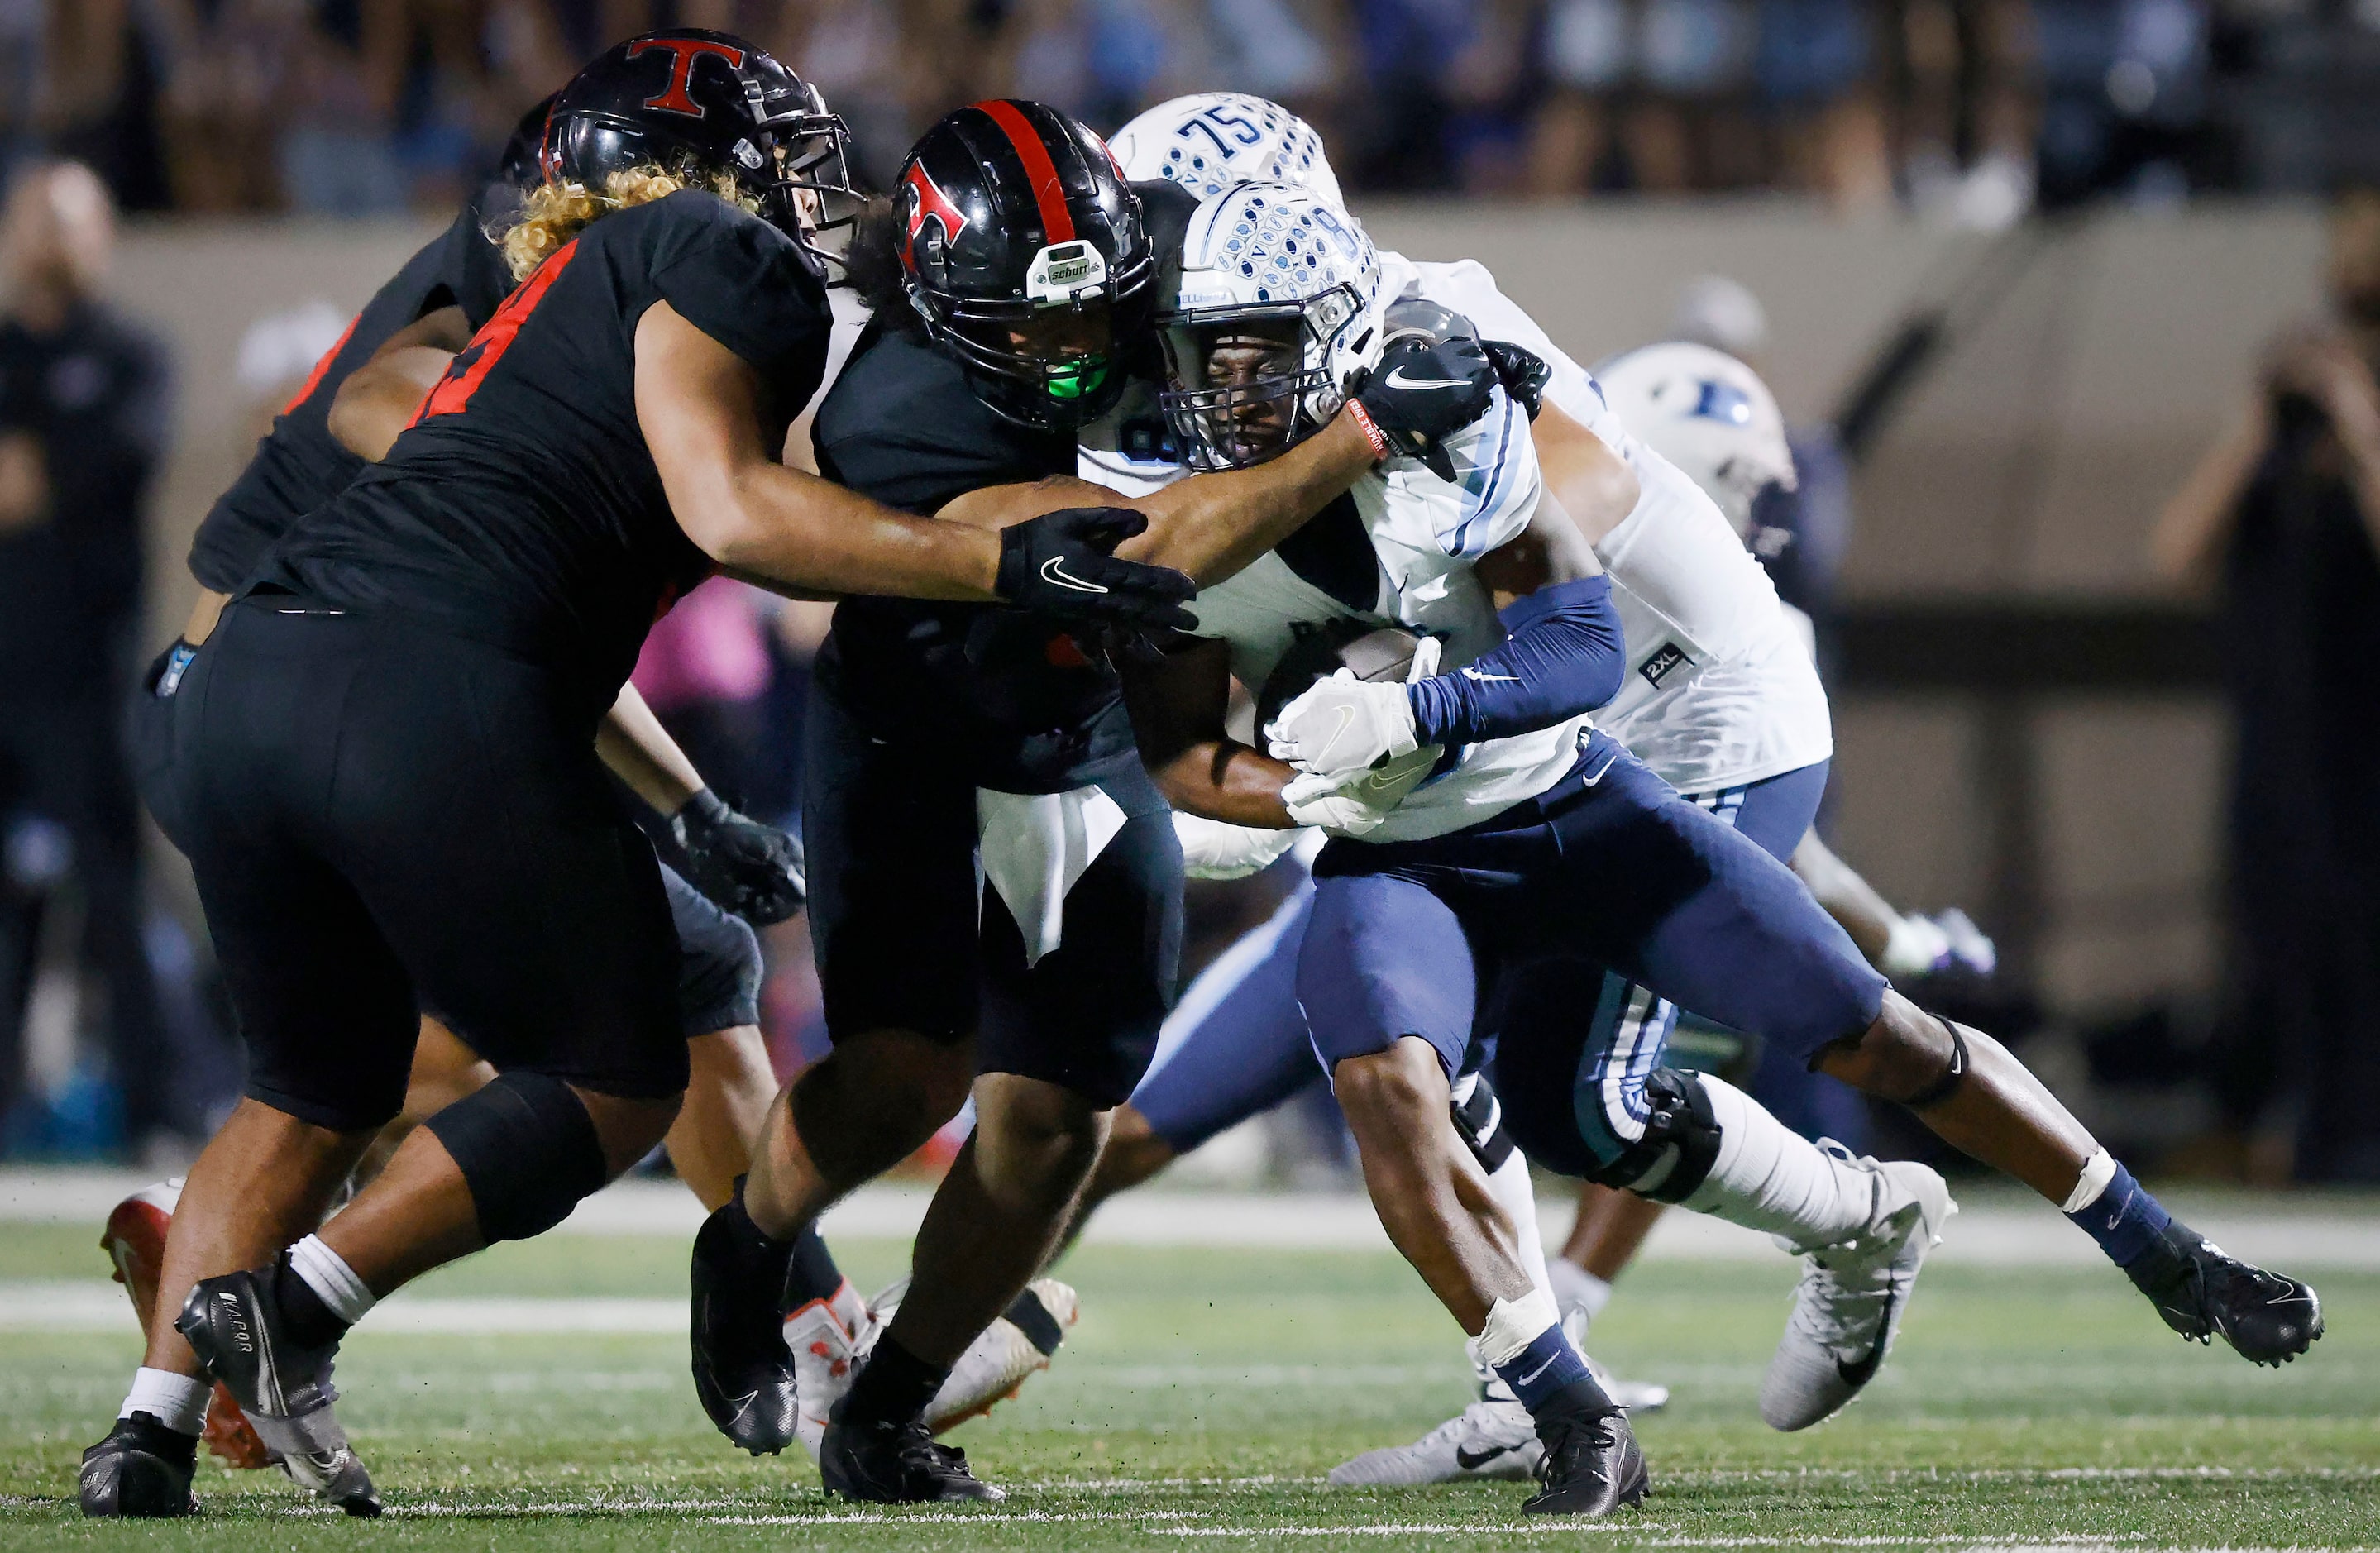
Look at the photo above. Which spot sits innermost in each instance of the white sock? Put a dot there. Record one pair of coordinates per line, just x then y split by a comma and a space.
178, 1402
1510, 1183
327, 1273
1771, 1178
1576, 1288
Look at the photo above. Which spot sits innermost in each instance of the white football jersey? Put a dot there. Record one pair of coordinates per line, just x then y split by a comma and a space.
1402, 552
1721, 692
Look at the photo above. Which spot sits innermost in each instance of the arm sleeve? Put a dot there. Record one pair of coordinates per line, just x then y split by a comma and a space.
1565, 657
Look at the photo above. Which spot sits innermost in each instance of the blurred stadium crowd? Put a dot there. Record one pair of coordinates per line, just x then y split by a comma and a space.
1970, 108
1970, 111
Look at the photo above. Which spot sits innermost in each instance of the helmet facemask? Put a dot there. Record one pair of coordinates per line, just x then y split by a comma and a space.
803, 177
1248, 383
1048, 361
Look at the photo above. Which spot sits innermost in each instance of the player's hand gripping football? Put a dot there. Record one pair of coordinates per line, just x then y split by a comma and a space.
1351, 741
752, 869
1062, 563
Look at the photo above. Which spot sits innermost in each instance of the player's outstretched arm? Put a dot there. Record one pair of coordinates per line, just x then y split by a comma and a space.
1212, 525
699, 405
1177, 699
1209, 525
753, 869
379, 398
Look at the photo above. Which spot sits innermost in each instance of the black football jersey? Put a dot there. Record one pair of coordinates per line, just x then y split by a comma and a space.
1006, 695
521, 504
298, 465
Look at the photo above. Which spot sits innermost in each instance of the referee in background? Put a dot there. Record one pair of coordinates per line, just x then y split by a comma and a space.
83, 397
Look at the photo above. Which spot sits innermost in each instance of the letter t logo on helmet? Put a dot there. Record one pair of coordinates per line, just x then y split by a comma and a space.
674, 99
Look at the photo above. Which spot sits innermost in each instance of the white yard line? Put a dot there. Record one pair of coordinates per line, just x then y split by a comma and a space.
2001, 1232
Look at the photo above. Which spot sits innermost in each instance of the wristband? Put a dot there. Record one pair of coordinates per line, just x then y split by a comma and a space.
1372, 433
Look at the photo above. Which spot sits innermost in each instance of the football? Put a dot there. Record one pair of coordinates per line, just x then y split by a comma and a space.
1374, 652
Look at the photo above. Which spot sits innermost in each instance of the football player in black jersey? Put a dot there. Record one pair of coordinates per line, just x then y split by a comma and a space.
439, 297
388, 788
1011, 283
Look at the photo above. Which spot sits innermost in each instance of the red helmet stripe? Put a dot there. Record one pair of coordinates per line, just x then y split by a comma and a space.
1057, 223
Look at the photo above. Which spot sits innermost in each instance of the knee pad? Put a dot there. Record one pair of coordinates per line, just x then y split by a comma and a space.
527, 1150
1954, 1073
1480, 1120
1680, 1145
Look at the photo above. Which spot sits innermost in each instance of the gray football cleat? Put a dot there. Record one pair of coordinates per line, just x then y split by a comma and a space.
1852, 1296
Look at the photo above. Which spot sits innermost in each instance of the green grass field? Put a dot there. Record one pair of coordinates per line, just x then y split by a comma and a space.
1206, 1392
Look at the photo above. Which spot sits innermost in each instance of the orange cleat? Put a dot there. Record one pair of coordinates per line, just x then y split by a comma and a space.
135, 1240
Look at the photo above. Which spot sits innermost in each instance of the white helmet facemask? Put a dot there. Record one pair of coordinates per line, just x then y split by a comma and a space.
1708, 414
1273, 320
1211, 141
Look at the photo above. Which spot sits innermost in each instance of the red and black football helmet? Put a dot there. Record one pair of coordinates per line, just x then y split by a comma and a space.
688, 94
1024, 252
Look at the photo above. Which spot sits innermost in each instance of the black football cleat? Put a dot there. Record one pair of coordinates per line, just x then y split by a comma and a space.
2200, 1292
237, 1332
140, 1472
895, 1463
743, 1371
1591, 1466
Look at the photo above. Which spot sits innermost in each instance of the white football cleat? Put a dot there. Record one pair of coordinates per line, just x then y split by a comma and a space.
998, 1363
1489, 1440
828, 1339
1852, 1296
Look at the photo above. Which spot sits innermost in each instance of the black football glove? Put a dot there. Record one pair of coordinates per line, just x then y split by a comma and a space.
1522, 371
752, 869
1425, 390
1062, 563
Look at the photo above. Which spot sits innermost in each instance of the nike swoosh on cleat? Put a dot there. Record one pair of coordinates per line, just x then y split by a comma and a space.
1859, 1375
1472, 1461
1053, 571
1397, 379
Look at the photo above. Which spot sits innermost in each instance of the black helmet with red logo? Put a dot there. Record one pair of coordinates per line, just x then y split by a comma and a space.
688, 94
1024, 252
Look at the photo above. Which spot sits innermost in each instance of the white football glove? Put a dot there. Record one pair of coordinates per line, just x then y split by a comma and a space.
1342, 725
1215, 849
1362, 803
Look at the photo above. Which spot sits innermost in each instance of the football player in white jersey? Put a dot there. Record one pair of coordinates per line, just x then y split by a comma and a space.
1742, 941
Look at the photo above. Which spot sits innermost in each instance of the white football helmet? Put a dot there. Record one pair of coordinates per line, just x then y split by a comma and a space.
1268, 322
1708, 414
1211, 141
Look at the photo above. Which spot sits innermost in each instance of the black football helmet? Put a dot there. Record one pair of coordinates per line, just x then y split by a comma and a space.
686, 93
1023, 250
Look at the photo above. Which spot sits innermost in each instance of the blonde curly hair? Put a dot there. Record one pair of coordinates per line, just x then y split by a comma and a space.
553, 213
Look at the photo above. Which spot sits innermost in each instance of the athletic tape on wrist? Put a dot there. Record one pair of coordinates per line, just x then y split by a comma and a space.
2097, 1170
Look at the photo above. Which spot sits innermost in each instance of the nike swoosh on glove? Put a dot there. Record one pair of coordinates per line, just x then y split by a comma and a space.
1340, 726
1061, 564
1425, 391
752, 869
1361, 804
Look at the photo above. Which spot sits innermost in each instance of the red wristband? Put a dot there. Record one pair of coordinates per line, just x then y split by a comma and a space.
1372, 433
